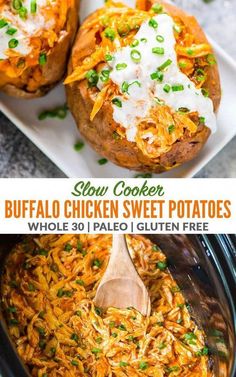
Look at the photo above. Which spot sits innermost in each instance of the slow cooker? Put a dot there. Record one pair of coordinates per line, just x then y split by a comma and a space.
204, 266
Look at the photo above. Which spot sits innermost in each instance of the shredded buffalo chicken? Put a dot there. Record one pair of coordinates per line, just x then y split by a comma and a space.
47, 294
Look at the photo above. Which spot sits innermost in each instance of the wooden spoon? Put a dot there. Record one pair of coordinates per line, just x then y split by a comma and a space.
121, 286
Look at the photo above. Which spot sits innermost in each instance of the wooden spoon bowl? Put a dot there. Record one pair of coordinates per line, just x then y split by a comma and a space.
121, 286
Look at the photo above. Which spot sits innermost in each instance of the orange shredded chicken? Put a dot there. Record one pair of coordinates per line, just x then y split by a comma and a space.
47, 293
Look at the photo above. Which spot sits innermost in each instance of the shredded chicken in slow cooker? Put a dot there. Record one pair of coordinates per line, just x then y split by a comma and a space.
47, 295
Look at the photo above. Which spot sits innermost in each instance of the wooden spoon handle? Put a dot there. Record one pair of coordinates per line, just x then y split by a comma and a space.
120, 264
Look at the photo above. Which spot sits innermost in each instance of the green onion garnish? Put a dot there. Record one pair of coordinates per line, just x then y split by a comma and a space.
183, 110
110, 34
80, 282
59, 112
190, 51
17, 4
123, 364
171, 128
121, 66
13, 43
202, 120
92, 77
160, 38
182, 65
125, 87
157, 8
143, 365
117, 102
136, 56
96, 350
68, 247
74, 363
33, 6
167, 88
152, 23
135, 43
23, 12
102, 161
11, 31
158, 50
78, 146
144, 40
157, 76
205, 92
108, 57
161, 265
42, 58
105, 75
165, 65
177, 88
211, 59
3, 23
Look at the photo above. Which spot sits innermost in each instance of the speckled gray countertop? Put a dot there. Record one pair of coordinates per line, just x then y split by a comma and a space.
20, 158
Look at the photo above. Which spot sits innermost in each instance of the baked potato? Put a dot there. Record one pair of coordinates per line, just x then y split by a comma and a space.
143, 85
35, 39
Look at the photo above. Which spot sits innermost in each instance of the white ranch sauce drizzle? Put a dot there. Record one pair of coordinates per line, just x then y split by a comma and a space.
31, 26
140, 100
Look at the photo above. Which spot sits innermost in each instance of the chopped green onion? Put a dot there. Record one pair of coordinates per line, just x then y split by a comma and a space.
41, 331
12, 309
175, 368
110, 34
177, 88
136, 56
97, 262
165, 65
92, 77
211, 59
68, 247
11, 31
158, 50
182, 65
135, 43
144, 40
33, 6
13, 322
105, 75
80, 282
125, 87
159, 101
117, 102
123, 364
143, 365
175, 289
17, 4
202, 120
157, 76
155, 248
167, 88
3, 23
205, 92
190, 336
96, 350
42, 252
74, 363
60, 293
121, 66
78, 313
108, 58
23, 12
183, 110
13, 43
31, 287
161, 265
160, 38
157, 8
74, 337
190, 51
171, 128
152, 23
162, 346
42, 58
59, 112
54, 267
122, 327
78, 146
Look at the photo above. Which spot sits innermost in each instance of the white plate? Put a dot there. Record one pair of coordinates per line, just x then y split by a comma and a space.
56, 138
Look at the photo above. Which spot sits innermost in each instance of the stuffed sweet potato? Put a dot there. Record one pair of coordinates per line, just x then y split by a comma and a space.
143, 85
35, 39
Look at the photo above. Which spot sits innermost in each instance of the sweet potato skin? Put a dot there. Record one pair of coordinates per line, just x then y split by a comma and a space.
100, 132
54, 69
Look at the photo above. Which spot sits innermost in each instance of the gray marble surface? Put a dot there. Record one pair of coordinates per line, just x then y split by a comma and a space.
20, 158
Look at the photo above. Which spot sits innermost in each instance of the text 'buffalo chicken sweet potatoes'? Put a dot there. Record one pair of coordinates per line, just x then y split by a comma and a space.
35, 39
143, 85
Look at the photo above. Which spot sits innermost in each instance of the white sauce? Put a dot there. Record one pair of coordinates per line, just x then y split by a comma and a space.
31, 26
138, 103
